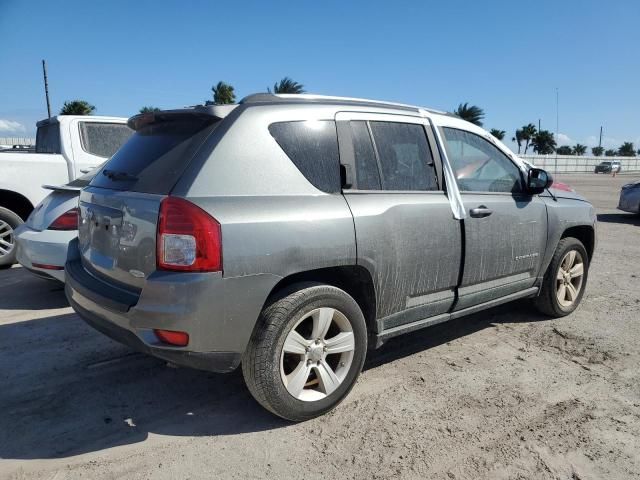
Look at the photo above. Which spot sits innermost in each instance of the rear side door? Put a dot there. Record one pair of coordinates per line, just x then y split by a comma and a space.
94, 142
505, 229
405, 232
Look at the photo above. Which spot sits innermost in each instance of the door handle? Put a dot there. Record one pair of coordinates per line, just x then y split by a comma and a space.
85, 170
480, 212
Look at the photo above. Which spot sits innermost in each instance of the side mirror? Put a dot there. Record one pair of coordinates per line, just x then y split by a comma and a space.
537, 180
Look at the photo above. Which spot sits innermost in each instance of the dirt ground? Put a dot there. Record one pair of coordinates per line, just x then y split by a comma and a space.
505, 394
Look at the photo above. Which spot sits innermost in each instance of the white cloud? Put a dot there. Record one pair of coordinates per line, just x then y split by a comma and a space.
10, 126
563, 140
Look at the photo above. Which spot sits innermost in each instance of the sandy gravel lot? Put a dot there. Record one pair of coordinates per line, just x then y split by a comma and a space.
505, 394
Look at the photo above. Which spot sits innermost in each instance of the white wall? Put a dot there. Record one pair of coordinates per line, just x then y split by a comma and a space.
574, 164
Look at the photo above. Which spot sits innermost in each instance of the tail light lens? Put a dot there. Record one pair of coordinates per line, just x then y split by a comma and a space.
67, 221
188, 239
179, 339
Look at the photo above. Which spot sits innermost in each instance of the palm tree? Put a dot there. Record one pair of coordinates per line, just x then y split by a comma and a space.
77, 107
473, 113
597, 151
499, 134
223, 94
149, 109
564, 150
610, 153
518, 139
287, 85
626, 150
528, 133
579, 149
543, 142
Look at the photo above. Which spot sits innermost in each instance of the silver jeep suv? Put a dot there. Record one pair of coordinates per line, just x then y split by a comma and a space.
289, 233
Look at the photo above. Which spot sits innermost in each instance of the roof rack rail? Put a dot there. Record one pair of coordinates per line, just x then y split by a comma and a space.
302, 97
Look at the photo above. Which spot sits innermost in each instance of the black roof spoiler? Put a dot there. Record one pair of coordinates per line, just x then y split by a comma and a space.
213, 112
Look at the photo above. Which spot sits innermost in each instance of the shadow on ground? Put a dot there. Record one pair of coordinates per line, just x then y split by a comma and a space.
625, 218
22, 290
68, 390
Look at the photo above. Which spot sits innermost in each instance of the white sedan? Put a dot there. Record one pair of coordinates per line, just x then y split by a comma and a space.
43, 240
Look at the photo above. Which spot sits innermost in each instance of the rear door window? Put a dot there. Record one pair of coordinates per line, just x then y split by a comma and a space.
156, 155
405, 159
312, 145
103, 139
48, 138
367, 174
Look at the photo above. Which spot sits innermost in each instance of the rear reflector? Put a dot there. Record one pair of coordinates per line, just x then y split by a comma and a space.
67, 221
189, 239
47, 267
179, 339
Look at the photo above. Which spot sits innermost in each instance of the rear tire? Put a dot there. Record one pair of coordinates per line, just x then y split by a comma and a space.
306, 352
565, 280
9, 221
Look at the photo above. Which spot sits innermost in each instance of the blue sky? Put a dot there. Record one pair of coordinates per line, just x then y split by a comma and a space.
507, 57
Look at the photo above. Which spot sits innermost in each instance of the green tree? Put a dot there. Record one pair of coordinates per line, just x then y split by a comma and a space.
499, 134
223, 94
564, 150
579, 149
149, 109
626, 150
77, 107
610, 153
543, 142
518, 139
287, 85
528, 133
473, 113
597, 151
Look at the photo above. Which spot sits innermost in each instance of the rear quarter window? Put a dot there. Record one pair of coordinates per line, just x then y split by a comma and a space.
312, 146
103, 139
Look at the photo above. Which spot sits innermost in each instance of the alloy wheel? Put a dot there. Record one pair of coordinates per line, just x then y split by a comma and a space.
317, 354
569, 278
6, 239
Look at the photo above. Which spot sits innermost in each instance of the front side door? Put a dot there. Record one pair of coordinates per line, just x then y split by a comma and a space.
505, 229
405, 231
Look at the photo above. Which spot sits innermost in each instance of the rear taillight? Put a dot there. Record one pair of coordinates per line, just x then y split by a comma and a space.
189, 239
67, 221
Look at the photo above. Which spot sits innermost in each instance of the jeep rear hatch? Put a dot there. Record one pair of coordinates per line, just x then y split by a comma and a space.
119, 209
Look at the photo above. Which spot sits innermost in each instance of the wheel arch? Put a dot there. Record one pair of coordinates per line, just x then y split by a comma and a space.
356, 280
16, 202
585, 233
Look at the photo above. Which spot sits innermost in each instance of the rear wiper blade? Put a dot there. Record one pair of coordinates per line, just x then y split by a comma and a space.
116, 175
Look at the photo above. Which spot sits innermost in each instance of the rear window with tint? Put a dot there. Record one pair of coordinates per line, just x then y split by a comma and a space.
312, 146
156, 155
103, 139
48, 139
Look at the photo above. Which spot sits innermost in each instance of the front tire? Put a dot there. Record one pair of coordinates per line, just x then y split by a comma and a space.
306, 351
9, 221
565, 280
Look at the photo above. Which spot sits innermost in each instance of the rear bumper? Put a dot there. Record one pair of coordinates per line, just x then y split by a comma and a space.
629, 200
188, 303
221, 362
46, 247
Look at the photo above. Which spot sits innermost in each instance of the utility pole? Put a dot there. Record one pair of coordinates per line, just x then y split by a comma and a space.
46, 87
538, 124
600, 141
555, 170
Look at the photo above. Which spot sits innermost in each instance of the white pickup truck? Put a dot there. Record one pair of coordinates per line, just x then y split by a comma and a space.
67, 146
